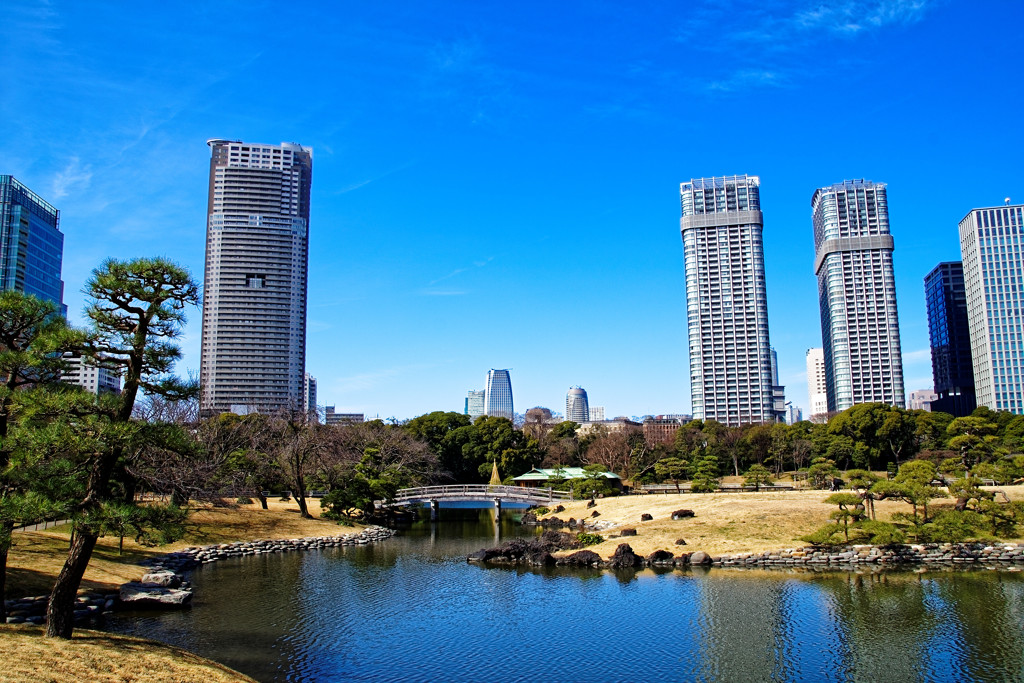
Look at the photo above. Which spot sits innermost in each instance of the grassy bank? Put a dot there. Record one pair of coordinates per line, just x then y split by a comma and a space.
37, 556
103, 657
724, 523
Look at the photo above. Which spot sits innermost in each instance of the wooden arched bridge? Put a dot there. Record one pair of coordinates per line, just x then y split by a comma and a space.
483, 493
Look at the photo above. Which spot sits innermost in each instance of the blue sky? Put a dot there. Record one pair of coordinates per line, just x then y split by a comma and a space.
496, 184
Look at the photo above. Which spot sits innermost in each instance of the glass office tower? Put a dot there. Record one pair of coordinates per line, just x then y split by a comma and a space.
992, 246
31, 243
498, 394
726, 300
577, 407
950, 339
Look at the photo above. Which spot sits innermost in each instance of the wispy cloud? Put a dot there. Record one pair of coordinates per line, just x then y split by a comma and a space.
461, 71
744, 80
73, 177
918, 356
856, 15
368, 380
766, 48
363, 183
457, 271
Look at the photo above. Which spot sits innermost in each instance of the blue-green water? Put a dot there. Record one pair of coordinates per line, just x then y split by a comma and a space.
412, 609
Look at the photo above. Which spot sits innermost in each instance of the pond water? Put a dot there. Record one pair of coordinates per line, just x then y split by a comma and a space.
412, 609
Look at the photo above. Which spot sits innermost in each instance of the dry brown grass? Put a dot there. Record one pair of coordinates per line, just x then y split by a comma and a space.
102, 657
725, 523
36, 557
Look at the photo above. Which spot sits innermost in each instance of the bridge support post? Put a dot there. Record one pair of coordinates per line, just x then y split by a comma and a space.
435, 508
497, 506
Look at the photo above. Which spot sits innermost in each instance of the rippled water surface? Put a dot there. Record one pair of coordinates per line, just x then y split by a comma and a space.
412, 609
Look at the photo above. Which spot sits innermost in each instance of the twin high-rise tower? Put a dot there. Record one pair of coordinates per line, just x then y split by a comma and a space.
860, 330
726, 303
253, 353
726, 300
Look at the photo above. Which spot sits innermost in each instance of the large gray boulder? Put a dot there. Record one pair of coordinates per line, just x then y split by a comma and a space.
138, 595
164, 578
700, 557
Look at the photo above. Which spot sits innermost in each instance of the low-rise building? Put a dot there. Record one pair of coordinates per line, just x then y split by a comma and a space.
540, 478
333, 418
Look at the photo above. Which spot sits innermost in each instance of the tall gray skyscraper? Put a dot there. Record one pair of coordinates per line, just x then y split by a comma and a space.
577, 407
860, 330
31, 243
498, 394
726, 300
992, 246
253, 353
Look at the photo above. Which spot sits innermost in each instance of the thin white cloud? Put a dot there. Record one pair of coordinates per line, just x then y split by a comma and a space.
744, 80
363, 183
918, 356
855, 16
457, 271
73, 177
368, 380
765, 49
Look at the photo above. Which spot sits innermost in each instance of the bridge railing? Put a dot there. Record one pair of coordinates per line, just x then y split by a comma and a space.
480, 491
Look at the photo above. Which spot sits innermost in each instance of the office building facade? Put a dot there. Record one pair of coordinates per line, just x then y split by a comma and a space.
253, 353
860, 328
31, 243
474, 403
498, 394
922, 399
949, 334
726, 300
309, 397
817, 390
89, 376
992, 247
577, 407
596, 414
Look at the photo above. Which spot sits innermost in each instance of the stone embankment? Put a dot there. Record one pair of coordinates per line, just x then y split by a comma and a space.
90, 609
991, 556
164, 586
998, 555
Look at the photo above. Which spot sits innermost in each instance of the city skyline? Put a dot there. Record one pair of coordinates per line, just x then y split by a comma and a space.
460, 183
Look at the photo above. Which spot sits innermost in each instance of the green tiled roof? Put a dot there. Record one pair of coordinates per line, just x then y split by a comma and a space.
538, 474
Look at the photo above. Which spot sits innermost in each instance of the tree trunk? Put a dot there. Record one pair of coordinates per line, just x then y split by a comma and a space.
262, 499
5, 543
60, 613
300, 498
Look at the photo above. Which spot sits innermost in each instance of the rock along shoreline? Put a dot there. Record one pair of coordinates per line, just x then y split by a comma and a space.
996, 556
165, 586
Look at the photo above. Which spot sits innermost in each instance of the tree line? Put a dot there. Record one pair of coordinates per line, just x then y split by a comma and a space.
130, 464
